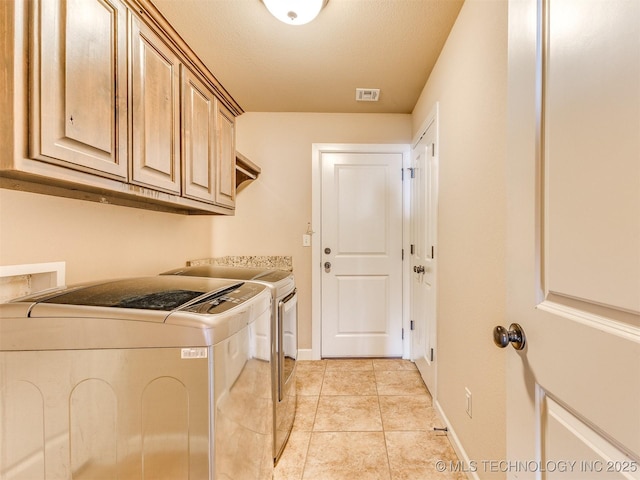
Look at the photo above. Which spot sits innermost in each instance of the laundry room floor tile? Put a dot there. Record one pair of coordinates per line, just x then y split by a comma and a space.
348, 414
347, 455
349, 382
400, 382
364, 419
408, 412
415, 455
349, 365
305, 413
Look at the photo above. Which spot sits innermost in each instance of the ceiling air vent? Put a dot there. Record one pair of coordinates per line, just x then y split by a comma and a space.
367, 94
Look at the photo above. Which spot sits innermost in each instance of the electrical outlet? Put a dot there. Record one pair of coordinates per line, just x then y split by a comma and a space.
306, 240
467, 393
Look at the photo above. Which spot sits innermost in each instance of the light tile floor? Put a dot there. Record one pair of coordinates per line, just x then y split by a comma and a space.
364, 419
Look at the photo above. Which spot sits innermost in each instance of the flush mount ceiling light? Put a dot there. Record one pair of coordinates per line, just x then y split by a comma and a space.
295, 12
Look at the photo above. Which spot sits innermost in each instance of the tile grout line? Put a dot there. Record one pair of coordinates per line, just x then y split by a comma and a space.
384, 434
313, 424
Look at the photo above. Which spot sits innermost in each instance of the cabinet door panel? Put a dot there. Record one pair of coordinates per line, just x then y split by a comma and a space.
226, 158
79, 85
155, 111
198, 138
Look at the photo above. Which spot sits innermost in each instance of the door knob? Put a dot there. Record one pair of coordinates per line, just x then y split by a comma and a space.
515, 335
327, 266
418, 269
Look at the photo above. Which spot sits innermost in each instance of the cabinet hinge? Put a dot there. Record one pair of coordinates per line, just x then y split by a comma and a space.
413, 326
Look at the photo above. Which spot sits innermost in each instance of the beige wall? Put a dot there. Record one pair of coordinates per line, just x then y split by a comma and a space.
97, 241
469, 82
273, 211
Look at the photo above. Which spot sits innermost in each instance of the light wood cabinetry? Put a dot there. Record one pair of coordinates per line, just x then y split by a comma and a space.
155, 111
106, 102
226, 158
78, 85
198, 138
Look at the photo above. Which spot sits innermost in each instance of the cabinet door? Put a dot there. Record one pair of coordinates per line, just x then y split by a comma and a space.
198, 139
155, 97
79, 84
225, 158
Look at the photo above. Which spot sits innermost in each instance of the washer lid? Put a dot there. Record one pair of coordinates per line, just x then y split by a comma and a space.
273, 276
268, 275
120, 298
146, 312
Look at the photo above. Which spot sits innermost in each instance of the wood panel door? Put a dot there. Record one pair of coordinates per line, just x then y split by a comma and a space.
155, 112
424, 208
225, 157
361, 253
573, 250
198, 139
79, 85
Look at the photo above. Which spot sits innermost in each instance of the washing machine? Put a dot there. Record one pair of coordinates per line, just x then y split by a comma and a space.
145, 378
280, 342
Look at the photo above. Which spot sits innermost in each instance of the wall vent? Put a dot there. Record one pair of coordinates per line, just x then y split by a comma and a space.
367, 94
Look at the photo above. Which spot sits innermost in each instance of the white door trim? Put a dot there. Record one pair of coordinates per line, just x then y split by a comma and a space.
316, 253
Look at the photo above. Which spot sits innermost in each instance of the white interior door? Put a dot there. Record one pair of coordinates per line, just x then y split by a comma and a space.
361, 254
573, 257
424, 196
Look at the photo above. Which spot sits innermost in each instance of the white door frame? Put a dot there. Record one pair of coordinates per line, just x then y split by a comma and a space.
316, 247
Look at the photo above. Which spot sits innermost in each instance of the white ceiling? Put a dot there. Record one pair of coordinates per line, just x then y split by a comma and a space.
268, 66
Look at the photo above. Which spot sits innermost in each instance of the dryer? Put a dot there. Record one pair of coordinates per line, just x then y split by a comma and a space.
281, 340
153, 377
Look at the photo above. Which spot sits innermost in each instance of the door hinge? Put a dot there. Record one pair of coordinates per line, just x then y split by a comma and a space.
433, 149
432, 251
403, 334
413, 249
413, 325
411, 172
432, 354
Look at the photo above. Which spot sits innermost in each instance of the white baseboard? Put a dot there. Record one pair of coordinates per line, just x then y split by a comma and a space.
457, 446
306, 354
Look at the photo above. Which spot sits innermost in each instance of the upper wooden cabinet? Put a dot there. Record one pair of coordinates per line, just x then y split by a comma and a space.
155, 111
78, 85
106, 102
226, 158
198, 138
